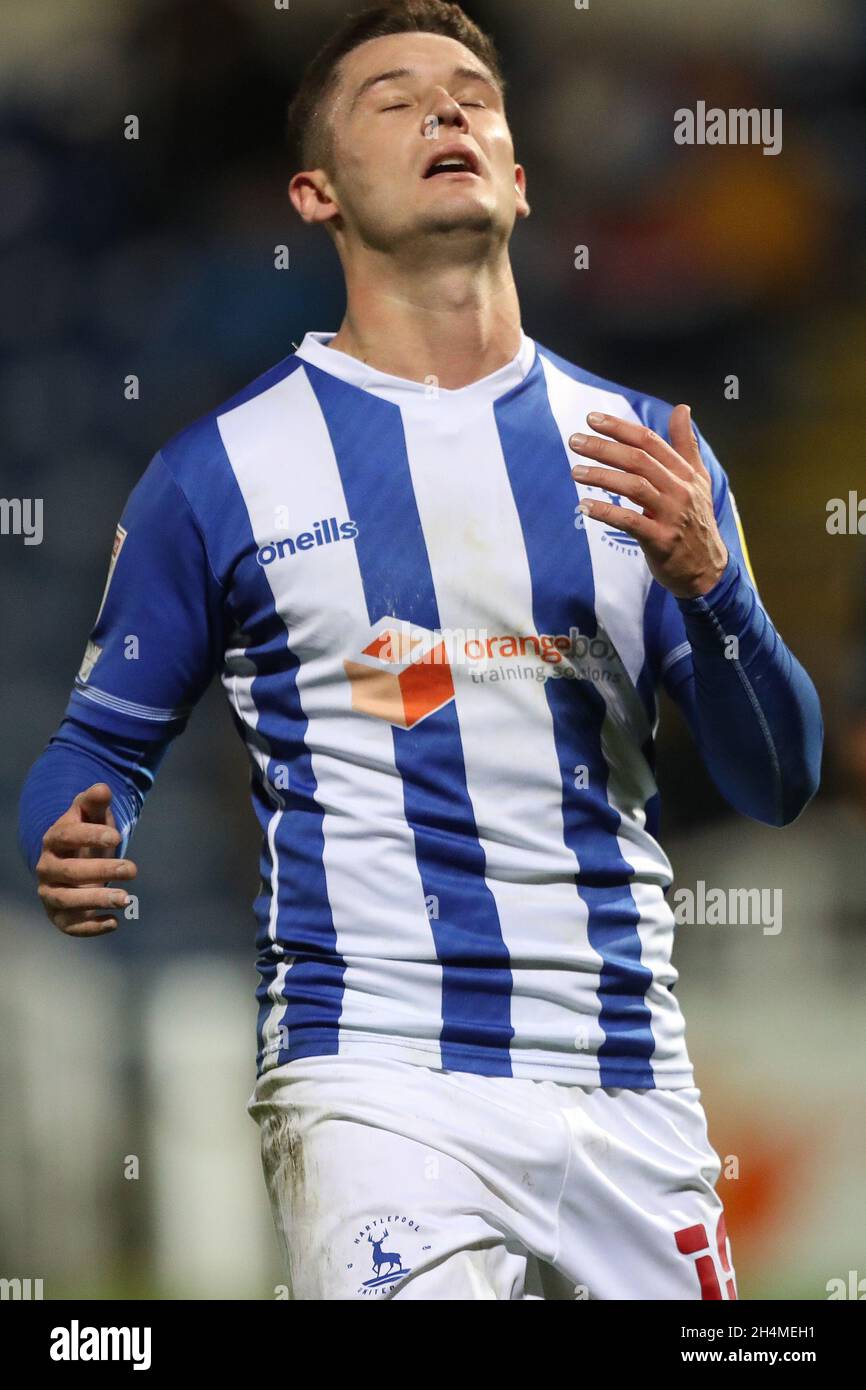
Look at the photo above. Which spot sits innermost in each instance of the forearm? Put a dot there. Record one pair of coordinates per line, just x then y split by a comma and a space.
74, 759
753, 709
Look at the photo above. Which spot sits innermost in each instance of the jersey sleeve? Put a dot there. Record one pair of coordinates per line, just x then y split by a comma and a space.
75, 758
668, 643
157, 638
752, 708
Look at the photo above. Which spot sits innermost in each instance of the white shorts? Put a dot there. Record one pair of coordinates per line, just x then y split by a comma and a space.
391, 1180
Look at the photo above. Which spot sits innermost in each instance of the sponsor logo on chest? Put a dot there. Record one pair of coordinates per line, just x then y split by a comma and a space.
328, 531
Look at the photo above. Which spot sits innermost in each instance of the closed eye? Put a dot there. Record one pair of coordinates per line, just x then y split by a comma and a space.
401, 105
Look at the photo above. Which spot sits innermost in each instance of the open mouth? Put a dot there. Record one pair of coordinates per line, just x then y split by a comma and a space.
452, 164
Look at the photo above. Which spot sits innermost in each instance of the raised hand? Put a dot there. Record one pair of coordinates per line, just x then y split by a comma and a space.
677, 528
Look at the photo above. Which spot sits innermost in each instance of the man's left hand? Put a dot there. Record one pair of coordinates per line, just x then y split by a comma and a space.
677, 528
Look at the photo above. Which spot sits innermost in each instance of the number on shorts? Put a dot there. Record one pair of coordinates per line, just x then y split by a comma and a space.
693, 1240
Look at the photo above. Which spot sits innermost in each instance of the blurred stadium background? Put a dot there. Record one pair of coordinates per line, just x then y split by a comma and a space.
129, 1167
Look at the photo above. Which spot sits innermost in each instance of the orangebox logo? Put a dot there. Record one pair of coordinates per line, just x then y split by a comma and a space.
402, 675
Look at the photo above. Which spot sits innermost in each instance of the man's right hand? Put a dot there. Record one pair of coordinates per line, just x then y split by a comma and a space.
74, 866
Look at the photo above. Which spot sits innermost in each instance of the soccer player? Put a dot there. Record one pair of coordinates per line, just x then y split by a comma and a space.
442, 573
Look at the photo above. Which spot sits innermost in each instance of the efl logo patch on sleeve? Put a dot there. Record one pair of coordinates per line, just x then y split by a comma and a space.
117, 546
92, 652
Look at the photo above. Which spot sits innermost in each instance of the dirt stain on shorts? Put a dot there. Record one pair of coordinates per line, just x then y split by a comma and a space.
283, 1152
285, 1169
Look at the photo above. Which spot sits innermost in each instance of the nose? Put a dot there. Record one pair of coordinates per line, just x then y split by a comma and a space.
444, 110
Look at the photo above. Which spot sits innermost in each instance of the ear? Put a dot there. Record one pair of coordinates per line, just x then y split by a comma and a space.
523, 208
313, 197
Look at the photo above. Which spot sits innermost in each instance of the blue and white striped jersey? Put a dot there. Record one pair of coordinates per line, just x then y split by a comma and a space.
446, 681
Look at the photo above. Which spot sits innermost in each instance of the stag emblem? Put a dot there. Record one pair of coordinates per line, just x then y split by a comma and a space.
384, 1257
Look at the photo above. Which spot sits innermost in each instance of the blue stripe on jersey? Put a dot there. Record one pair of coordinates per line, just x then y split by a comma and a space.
370, 448
563, 596
313, 989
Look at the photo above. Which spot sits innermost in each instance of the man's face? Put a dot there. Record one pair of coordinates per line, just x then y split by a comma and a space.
401, 104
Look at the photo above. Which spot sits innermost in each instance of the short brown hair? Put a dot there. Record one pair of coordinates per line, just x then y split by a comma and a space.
308, 131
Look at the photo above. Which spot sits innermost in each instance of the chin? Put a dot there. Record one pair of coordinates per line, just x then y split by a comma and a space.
466, 219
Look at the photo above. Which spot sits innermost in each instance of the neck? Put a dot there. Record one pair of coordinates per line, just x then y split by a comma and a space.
457, 323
